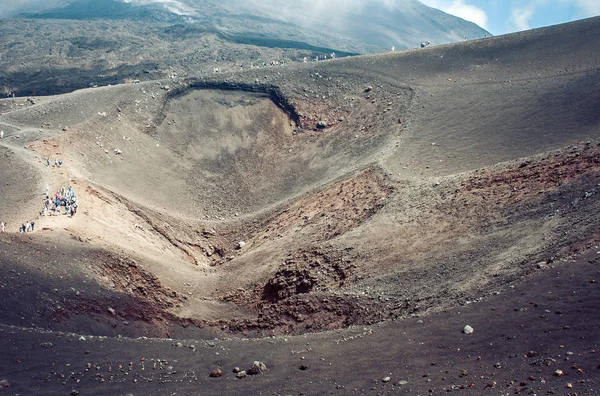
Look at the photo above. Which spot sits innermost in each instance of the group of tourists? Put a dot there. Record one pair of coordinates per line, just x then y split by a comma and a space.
324, 57
63, 198
27, 227
57, 162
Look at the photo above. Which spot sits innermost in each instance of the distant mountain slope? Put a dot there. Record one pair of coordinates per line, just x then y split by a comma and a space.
70, 44
399, 23
362, 26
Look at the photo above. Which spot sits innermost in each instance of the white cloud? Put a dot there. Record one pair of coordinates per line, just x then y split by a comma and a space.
173, 6
588, 8
461, 9
520, 18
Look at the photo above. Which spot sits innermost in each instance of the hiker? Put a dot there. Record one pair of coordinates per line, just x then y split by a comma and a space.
28, 227
1, 134
48, 162
56, 163
22, 228
2, 227
32, 225
59, 162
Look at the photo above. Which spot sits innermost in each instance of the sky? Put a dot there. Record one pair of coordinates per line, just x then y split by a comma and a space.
496, 16
507, 16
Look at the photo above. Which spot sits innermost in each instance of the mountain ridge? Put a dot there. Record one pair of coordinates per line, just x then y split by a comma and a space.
363, 27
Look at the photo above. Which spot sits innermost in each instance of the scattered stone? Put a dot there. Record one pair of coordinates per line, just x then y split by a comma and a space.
321, 124
111, 310
236, 370
257, 368
4, 384
369, 89
402, 382
216, 373
303, 367
559, 373
531, 354
386, 379
463, 373
241, 244
241, 374
178, 344
46, 345
468, 330
74, 392
497, 365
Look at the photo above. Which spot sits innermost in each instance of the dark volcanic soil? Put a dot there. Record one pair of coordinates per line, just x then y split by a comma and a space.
522, 337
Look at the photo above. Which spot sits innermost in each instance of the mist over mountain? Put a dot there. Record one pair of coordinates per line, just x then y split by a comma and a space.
56, 46
361, 26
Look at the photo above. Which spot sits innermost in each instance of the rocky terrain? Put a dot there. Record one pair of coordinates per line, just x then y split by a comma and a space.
327, 227
71, 45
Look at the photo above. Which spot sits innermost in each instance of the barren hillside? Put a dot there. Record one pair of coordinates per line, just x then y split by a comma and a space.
366, 206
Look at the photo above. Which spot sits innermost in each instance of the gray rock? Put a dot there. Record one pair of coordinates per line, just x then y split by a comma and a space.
216, 373
257, 368
241, 374
468, 330
321, 124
